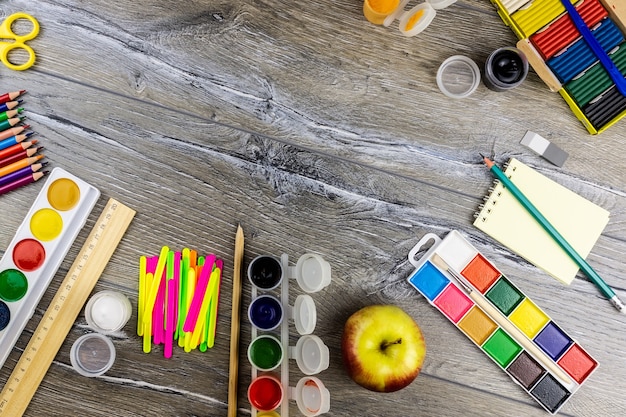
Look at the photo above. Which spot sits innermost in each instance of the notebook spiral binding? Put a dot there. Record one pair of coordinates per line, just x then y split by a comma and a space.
489, 196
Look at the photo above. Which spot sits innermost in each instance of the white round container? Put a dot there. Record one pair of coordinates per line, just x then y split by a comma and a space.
108, 311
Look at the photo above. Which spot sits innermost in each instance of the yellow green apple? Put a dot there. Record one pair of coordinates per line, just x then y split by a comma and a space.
383, 348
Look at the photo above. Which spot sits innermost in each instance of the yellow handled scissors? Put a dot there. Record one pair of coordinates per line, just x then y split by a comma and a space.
6, 32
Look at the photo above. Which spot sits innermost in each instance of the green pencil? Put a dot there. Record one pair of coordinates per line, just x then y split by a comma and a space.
564, 244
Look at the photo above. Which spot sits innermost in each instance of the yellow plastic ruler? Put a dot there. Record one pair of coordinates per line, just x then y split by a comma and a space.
64, 308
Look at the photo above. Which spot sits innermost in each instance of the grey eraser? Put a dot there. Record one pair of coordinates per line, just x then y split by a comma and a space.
545, 148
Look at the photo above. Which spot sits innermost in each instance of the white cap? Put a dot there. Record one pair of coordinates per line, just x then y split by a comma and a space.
312, 396
311, 354
312, 272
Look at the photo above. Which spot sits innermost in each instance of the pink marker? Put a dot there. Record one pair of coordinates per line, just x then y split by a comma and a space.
198, 295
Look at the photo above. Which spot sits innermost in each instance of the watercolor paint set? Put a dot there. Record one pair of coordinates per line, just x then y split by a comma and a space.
38, 248
587, 72
269, 353
500, 319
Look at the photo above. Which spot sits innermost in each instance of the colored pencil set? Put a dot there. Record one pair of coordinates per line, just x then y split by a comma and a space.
577, 48
178, 300
20, 160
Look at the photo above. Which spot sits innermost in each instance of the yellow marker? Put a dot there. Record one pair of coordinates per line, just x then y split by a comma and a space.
208, 295
142, 294
147, 322
215, 298
154, 289
191, 284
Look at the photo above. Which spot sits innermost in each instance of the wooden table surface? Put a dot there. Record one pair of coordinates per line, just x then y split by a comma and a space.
317, 132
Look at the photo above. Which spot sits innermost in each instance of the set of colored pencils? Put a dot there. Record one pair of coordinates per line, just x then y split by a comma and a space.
178, 300
20, 160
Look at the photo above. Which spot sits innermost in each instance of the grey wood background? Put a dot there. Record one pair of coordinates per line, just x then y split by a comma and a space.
316, 131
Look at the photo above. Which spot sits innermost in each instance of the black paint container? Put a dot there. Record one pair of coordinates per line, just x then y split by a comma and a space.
505, 68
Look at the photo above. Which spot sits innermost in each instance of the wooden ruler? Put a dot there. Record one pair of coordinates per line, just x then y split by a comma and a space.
64, 308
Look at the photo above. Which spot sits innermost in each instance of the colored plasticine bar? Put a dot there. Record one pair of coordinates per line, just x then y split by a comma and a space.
562, 32
540, 13
579, 56
486, 292
595, 80
605, 108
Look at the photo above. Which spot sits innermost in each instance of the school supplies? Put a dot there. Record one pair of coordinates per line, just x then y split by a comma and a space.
68, 300
7, 97
233, 371
270, 314
26, 153
38, 248
555, 235
577, 219
483, 304
542, 146
18, 41
577, 51
20, 181
178, 299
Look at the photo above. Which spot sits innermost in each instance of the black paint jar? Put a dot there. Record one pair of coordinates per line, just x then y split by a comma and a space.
505, 68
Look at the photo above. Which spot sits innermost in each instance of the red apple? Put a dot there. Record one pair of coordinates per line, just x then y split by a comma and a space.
383, 348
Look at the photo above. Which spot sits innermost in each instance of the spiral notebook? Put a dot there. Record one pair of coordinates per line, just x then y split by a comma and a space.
577, 219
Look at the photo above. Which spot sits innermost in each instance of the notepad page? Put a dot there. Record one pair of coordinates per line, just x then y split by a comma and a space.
577, 219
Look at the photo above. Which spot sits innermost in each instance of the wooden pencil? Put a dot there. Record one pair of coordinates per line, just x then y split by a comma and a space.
233, 372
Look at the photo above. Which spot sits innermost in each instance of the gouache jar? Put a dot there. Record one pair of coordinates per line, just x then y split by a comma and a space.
265, 272
265, 352
266, 393
377, 10
506, 68
92, 354
108, 311
265, 312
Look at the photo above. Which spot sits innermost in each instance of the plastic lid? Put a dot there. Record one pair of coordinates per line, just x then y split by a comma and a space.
312, 355
417, 19
305, 314
458, 76
312, 272
312, 396
92, 354
441, 4
108, 311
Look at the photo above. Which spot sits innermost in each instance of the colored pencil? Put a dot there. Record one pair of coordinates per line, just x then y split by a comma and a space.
10, 113
22, 182
9, 178
19, 165
17, 148
26, 153
233, 371
558, 238
4, 98
10, 105
10, 122
14, 131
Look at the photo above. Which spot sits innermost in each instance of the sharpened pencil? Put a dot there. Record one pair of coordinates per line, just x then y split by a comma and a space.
558, 238
22, 182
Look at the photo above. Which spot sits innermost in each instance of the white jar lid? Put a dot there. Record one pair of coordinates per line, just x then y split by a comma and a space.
417, 19
312, 272
304, 314
312, 396
311, 354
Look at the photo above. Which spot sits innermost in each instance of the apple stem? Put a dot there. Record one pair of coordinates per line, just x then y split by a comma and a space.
386, 344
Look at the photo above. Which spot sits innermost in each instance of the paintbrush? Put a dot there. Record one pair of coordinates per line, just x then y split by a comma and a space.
503, 322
